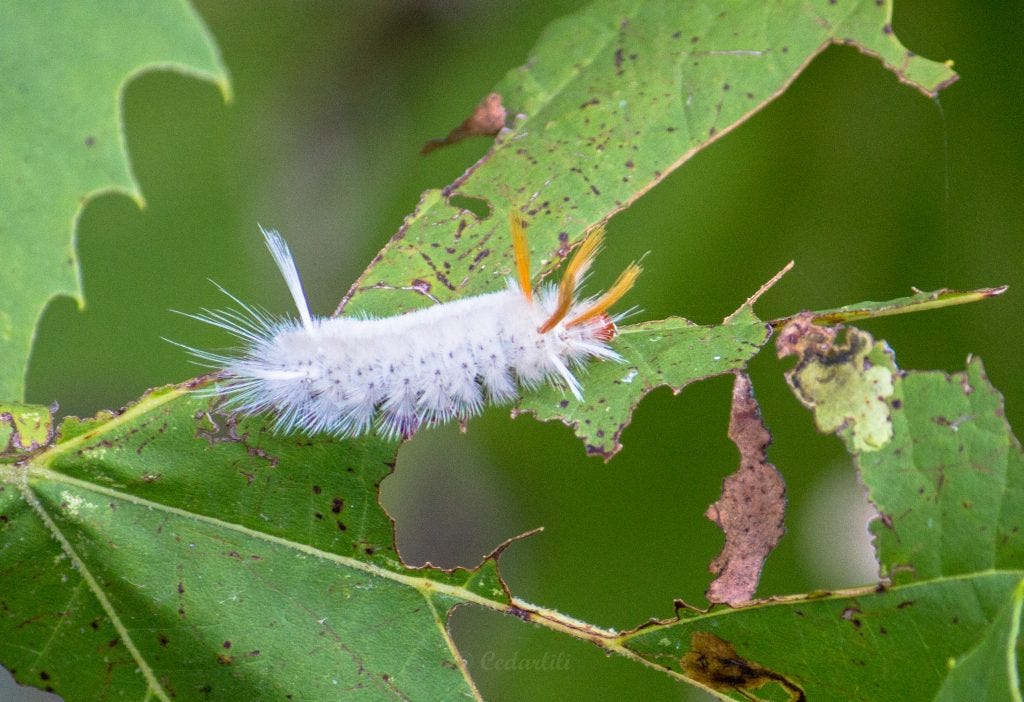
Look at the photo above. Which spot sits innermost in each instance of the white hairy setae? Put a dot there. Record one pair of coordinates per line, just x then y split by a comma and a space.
347, 376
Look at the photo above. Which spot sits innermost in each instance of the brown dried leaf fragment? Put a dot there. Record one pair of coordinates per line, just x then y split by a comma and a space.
487, 120
716, 663
752, 506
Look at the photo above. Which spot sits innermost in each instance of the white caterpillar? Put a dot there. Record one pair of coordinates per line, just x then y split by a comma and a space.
346, 376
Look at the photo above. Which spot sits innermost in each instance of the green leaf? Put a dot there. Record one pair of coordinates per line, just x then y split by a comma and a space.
672, 352
209, 554
854, 646
610, 101
918, 302
950, 484
934, 450
65, 66
168, 552
990, 671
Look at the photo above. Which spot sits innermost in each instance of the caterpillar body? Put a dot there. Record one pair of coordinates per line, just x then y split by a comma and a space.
349, 376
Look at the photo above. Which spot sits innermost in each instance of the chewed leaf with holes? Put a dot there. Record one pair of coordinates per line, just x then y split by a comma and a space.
671, 352
848, 384
611, 100
675, 352
950, 484
62, 141
167, 553
23, 428
199, 555
950, 487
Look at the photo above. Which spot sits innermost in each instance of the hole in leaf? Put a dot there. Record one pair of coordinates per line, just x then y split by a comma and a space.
478, 206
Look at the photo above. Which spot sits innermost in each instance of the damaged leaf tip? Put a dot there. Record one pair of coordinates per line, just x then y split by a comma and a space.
487, 119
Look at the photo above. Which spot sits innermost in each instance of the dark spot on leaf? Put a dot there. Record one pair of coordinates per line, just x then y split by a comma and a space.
224, 659
480, 256
318, 515
317, 489
163, 640
43, 675
590, 102
896, 404
904, 604
337, 504
563, 404
850, 614
90, 141
887, 29
341, 526
181, 587
716, 663
618, 61
226, 644
369, 550
113, 642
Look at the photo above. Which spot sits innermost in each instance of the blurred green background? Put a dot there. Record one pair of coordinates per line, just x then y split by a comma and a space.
870, 187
